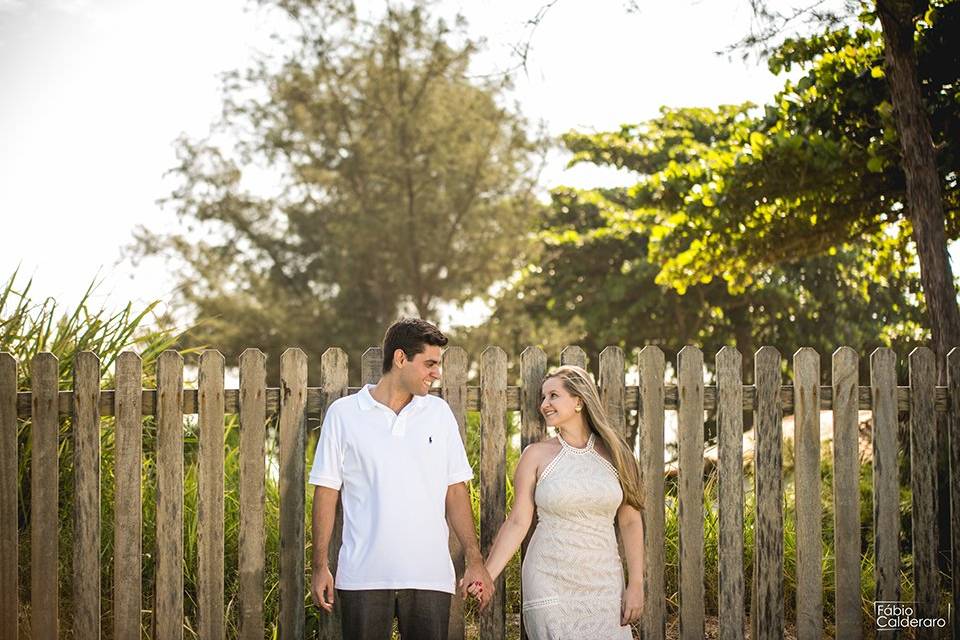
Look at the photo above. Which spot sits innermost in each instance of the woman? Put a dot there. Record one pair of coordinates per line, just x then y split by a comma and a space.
579, 483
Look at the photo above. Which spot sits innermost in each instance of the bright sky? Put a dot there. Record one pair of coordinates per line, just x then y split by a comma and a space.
96, 91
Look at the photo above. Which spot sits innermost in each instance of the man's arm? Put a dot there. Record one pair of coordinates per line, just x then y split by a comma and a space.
460, 516
324, 513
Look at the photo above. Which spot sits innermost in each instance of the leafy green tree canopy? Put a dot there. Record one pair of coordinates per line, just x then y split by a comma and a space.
725, 191
400, 183
783, 225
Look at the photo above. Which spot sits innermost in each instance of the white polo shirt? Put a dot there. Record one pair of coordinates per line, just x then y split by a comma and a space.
392, 471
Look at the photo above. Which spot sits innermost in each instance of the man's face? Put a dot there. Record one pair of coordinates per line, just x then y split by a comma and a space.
419, 373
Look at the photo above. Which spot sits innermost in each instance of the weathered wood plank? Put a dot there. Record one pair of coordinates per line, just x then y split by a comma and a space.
690, 490
766, 619
454, 390
210, 499
846, 494
613, 390
886, 492
806, 446
334, 370
86, 505
9, 545
730, 462
293, 400
168, 610
651, 363
923, 483
493, 485
953, 435
371, 365
574, 355
44, 466
127, 518
533, 368
252, 545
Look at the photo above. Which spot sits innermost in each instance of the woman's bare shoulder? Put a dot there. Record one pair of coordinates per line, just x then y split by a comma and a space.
539, 454
547, 447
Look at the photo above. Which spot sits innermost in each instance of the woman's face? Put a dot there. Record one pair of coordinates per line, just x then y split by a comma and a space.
558, 406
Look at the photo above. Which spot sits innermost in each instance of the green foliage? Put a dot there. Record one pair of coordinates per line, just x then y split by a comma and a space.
728, 194
588, 238
28, 327
781, 225
402, 183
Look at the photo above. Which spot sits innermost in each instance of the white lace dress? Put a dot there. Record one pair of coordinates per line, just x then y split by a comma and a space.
572, 574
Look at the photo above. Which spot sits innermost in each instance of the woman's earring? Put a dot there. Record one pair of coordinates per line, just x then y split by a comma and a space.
579, 408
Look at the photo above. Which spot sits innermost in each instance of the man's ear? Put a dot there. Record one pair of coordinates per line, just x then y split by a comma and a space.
399, 358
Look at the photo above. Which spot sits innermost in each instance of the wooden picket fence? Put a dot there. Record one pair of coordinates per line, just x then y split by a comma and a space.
294, 401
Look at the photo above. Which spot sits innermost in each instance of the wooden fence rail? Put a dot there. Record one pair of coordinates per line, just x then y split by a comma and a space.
44, 405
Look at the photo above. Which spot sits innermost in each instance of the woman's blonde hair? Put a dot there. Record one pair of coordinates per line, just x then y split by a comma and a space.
578, 383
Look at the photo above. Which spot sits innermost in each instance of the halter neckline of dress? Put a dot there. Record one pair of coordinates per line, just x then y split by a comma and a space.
587, 448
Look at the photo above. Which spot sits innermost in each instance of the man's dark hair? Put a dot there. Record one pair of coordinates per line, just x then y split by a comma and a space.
412, 335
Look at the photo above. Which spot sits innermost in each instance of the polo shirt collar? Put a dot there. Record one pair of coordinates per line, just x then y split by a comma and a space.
367, 401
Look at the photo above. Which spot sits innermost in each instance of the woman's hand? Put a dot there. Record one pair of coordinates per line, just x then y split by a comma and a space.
632, 606
477, 582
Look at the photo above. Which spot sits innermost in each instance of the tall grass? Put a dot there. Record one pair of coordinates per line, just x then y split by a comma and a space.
28, 327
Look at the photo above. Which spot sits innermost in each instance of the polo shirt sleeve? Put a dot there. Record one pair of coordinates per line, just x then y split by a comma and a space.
327, 469
458, 467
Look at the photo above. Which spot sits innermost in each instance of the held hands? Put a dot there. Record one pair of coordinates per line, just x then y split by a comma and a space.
477, 582
632, 606
321, 588
476, 590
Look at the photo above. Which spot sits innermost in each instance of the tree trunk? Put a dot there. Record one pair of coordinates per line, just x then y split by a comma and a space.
924, 205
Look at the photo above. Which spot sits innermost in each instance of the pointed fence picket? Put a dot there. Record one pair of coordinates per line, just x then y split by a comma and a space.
652, 404
806, 445
9, 520
168, 611
127, 508
454, 391
846, 493
251, 543
295, 406
210, 502
766, 610
690, 491
293, 424
730, 606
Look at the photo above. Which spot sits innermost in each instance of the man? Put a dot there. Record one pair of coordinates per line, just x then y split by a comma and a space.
394, 454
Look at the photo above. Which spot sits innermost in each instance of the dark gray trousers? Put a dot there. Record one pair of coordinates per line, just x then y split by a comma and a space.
369, 614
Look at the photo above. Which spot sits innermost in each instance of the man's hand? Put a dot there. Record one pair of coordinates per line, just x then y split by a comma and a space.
632, 606
477, 573
322, 588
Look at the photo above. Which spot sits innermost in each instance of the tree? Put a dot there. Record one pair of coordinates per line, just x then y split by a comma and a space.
401, 185
909, 31
860, 294
924, 199
724, 193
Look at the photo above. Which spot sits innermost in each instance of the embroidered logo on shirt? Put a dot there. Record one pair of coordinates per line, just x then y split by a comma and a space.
430, 440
